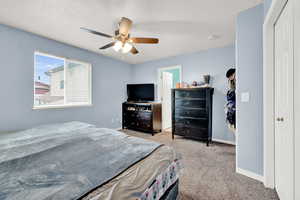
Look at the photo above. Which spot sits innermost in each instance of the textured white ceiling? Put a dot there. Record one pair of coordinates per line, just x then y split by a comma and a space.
183, 26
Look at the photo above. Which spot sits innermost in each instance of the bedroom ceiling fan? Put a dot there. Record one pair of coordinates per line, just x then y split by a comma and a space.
122, 42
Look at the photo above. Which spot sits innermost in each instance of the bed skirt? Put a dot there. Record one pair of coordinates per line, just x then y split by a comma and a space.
172, 193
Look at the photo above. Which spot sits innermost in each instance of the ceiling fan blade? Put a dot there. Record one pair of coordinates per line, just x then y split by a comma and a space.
144, 40
124, 26
134, 50
96, 32
108, 45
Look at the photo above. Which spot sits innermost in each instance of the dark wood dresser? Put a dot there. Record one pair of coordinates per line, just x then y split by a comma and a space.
192, 113
144, 117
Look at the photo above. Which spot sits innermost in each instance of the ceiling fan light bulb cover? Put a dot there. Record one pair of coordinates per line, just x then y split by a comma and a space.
127, 47
118, 46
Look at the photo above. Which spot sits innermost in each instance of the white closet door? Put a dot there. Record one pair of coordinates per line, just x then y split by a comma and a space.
284, 108
297, 95
167, 80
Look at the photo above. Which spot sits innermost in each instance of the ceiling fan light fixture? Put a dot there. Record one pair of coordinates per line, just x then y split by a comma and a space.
121, 41
118, 46
127, 47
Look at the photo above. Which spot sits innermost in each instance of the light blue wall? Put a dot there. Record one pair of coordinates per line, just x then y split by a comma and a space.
214, 62
16, 83
249, 54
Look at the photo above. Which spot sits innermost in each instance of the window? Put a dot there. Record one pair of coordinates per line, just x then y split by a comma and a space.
61, 82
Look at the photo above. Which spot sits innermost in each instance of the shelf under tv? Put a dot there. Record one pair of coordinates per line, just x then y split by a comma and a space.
145, 117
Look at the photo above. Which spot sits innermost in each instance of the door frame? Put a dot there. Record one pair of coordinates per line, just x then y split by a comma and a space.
269, 90
159, 71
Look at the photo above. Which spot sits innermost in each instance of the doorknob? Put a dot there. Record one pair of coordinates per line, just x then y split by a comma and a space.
280, 119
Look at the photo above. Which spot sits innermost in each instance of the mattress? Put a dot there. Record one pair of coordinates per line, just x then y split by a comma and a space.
77, 160
138, 179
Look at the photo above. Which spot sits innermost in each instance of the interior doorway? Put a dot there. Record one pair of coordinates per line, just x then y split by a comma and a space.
168, 77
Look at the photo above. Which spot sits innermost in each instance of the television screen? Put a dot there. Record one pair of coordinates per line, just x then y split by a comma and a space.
140, 92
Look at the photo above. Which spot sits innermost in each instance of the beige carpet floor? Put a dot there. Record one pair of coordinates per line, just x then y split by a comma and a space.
209, 172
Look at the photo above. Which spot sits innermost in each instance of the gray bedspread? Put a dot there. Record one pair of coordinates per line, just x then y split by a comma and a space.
65, 161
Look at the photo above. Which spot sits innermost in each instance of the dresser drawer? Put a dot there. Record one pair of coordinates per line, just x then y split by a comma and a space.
144, 124
191, 132
197, 133
189, 122
190, 103
179, 130
130, 123
189, 112
131, 114
190, 94
145, 115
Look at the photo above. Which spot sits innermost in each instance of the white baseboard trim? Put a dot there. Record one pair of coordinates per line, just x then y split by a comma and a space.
223, 141
250, 174
117, 129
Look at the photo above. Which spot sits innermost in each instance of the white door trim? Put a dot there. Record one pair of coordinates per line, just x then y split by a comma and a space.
159, 70
268, 91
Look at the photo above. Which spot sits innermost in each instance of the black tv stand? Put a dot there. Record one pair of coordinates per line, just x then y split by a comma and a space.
145, 117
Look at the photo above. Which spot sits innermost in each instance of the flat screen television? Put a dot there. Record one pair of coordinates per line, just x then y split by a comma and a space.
140, 92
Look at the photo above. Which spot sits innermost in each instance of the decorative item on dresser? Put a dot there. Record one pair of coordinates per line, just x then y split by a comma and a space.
144, 117
192, 113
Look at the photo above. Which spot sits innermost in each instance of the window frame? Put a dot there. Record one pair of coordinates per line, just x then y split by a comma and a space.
65, 105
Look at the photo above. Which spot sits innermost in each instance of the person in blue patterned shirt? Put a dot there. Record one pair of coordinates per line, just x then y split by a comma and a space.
230, 107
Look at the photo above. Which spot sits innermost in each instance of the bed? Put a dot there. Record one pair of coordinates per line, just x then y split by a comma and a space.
77, 160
